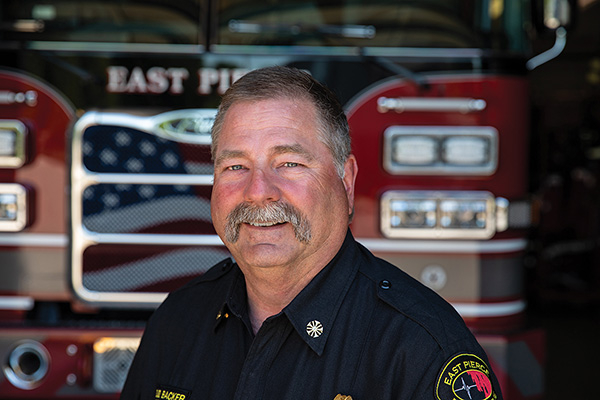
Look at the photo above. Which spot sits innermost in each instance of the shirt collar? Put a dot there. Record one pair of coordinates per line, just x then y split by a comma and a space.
314, 310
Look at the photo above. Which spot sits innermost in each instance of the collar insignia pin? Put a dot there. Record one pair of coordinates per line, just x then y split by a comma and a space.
314, 329
342, 397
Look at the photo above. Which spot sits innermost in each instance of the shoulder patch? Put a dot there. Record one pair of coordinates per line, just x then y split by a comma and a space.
464, 377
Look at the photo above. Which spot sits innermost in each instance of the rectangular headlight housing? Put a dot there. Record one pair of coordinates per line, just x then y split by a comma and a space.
12, 143
441, 215
440, 150
13, 207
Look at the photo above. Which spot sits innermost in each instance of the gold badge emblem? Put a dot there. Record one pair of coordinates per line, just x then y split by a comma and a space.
342, 397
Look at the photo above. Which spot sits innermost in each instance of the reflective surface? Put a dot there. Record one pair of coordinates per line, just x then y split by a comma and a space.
382, 23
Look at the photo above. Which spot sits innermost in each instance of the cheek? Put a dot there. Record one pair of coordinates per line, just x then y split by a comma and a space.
315, 201
221, 201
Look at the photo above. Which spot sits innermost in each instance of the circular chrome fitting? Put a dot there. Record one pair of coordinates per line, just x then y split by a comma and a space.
27, 365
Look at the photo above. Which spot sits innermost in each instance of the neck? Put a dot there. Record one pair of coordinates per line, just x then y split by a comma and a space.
270, 290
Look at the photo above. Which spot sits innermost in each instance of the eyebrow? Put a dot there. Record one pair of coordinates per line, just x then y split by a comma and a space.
277, 150
293, 149
227, 154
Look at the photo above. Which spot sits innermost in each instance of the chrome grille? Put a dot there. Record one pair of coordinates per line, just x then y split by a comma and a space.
140, 206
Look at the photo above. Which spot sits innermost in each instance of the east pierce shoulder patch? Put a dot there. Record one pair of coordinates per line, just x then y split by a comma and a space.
464, 377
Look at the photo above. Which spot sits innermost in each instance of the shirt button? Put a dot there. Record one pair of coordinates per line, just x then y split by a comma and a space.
385, 284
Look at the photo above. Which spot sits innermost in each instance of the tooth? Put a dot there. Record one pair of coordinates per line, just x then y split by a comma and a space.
263, 224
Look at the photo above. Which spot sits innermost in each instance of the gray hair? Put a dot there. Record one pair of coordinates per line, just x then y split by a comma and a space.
291, 83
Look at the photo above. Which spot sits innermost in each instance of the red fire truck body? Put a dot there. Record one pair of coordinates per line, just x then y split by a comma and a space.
105, 169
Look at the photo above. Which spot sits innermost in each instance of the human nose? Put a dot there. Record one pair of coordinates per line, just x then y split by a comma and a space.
261, 187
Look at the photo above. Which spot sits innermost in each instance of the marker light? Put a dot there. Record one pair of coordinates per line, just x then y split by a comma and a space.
13, 207
12, 143
440, 150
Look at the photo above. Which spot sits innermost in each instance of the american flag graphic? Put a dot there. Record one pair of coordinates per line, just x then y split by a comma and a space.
134, 208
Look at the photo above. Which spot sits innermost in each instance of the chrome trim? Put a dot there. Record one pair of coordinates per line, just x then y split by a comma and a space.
28, 97
13, 371
103, 47
175, 125
34, 239
488, 310
438, 232
440, 133
20, 131
560, 43
129, 299
502, 209
22, 207
449, 247
153, 239
430, 104
405, 52
22, 303
92, 178
427, 53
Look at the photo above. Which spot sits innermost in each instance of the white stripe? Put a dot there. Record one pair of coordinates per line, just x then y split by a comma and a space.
34, 239
130, 276
446, 246
149, 179
150, 213
154, 238
490, 310
16, 303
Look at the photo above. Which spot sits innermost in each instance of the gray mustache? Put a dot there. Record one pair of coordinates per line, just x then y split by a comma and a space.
275, 212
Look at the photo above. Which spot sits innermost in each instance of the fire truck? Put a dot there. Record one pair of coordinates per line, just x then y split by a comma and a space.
105, 170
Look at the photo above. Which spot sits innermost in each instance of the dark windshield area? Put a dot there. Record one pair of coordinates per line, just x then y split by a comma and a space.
497, 24
378, 23
163, 21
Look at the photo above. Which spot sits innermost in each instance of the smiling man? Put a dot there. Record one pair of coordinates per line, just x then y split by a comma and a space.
305, 311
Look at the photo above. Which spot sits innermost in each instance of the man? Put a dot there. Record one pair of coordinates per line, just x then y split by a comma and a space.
305, 312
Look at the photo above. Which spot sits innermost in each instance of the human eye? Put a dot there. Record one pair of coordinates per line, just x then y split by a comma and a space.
290, 164
236, 167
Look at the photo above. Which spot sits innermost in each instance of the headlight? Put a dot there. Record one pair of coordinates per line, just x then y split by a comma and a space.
440, 150
442, 215
12, 143
464, 214
13, 207
466, 150
415, 150
413, 213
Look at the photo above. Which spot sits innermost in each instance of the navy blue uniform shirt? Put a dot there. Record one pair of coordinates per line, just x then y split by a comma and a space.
360, 328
